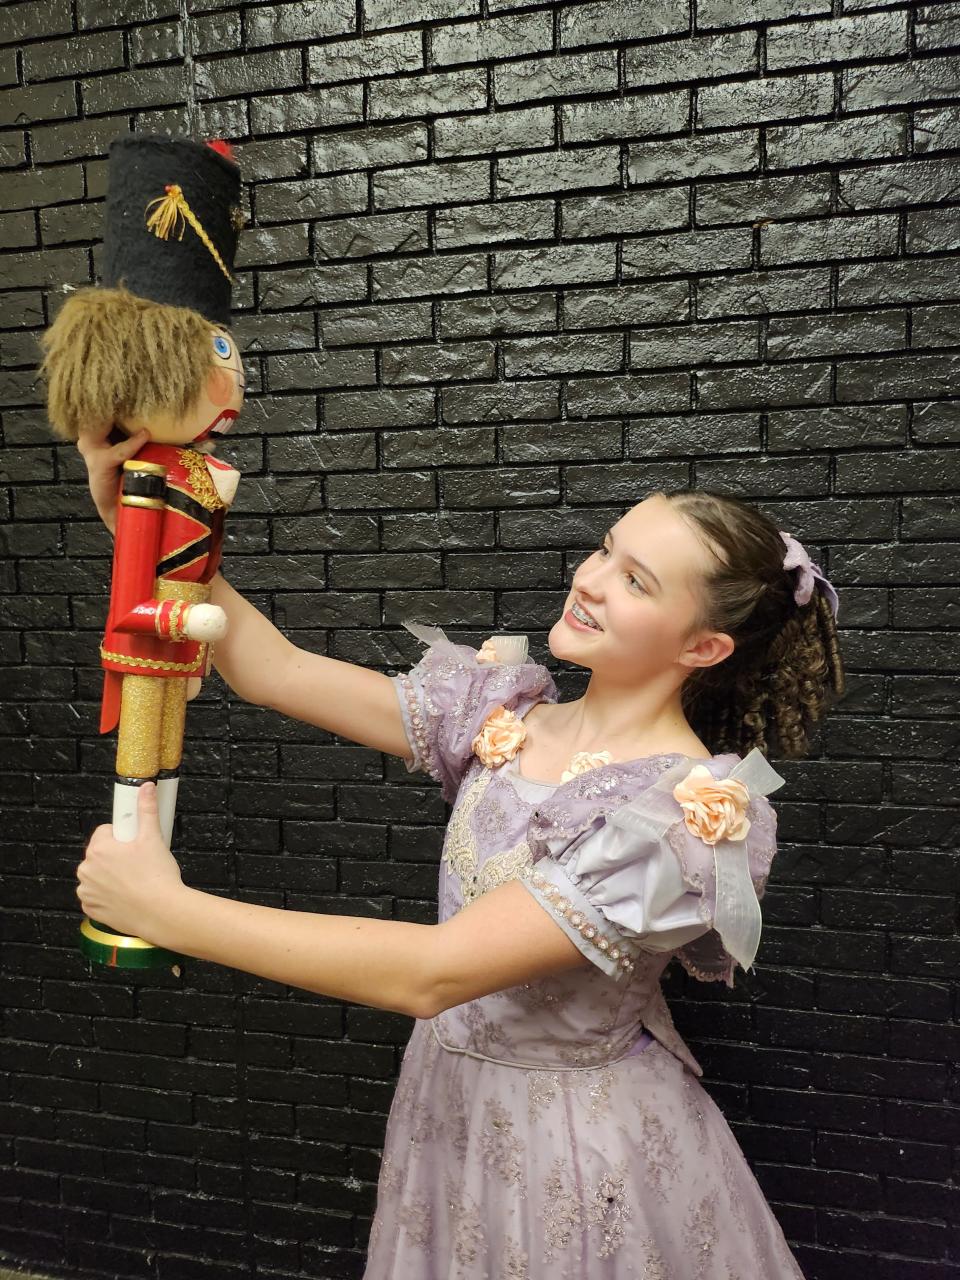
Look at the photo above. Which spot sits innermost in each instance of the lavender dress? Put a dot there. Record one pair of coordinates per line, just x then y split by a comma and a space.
558, 1129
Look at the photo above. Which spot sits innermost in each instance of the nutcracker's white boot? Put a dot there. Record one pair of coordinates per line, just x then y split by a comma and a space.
125, 810
167, 788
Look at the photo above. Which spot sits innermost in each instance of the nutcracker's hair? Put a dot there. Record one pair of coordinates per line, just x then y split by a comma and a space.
785, 670
109, 354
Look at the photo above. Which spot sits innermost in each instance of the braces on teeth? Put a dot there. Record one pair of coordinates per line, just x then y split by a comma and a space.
583, 617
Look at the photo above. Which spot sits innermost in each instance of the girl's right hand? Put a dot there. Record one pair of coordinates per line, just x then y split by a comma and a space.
104, 462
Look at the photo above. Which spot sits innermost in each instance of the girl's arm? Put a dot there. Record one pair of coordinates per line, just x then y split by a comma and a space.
261, 665
502, 939
255, 660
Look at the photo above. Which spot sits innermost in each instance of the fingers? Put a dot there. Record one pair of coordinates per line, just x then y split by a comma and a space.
95, 436
127, 448
95, 440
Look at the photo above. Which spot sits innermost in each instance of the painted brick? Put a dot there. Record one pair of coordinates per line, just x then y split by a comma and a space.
508, 267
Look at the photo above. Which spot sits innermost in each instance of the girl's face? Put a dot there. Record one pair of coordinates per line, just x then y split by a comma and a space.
639, 588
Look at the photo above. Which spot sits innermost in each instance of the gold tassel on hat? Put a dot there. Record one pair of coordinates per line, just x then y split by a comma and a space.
162, 220
173, 208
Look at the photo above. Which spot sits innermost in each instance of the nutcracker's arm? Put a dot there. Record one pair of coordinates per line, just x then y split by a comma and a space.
140, 513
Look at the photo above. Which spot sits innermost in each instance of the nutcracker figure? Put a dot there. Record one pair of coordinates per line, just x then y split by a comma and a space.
151, 347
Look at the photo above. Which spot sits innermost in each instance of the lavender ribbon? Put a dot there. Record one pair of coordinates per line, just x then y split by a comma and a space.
810, 575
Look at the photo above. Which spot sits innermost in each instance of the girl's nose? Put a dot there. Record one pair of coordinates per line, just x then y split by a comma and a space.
584, 584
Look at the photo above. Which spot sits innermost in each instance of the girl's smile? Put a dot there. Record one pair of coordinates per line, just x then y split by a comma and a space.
578, 623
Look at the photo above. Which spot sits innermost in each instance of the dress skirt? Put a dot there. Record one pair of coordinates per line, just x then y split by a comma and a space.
627, 1171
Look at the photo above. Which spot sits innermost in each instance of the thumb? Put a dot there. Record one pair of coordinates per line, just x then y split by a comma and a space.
127, 448
148, 811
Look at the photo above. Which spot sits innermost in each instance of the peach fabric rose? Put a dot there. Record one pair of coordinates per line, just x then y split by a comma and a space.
488, 652
500, 738
713, 808
583, 762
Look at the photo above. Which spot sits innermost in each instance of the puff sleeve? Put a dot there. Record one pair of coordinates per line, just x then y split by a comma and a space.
445, 699
641, 880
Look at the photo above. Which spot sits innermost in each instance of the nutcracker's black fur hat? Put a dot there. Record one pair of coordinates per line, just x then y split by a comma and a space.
172, 220
140, 341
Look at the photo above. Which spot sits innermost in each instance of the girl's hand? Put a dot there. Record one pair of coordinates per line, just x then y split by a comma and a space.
130, 885
104, 462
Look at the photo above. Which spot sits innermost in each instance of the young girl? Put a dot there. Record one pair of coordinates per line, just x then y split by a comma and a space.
549, 1121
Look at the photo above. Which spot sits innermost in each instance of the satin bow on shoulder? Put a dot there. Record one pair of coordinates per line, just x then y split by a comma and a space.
737, 917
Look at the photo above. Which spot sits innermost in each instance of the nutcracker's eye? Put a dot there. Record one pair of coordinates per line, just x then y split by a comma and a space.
221, 346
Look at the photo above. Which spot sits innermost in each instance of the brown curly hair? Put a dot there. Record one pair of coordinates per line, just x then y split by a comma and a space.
785, 670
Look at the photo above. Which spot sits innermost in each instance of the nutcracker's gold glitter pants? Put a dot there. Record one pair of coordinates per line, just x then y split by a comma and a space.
153, 712
153, 709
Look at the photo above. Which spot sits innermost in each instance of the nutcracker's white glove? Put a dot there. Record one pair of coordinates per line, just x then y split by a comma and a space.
206, 622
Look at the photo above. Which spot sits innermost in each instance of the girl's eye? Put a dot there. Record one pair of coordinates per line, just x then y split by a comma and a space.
604, 550
221, 346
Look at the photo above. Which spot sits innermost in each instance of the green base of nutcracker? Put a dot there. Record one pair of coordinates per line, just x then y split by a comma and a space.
99, 943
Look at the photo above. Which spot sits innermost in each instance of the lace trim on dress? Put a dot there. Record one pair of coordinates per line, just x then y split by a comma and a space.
460, 849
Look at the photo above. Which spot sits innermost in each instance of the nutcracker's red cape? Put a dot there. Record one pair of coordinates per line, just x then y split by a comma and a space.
178, 538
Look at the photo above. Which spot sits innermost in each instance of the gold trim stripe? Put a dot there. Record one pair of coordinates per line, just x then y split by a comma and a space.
136, 500
189, 563
155, 468
153, 664
187, 493
112, 939
191, 542
178, 624
172, 589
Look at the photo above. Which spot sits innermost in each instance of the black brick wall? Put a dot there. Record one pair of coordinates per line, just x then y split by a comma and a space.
508, 267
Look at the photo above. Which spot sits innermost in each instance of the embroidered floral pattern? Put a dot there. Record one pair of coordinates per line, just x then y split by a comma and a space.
542, 1089
599, 1085
500, 1147
466, 1225
391, 1178
517, 1262
563, 1210
658, 1147
701, 1232
609, 1210
415, 1217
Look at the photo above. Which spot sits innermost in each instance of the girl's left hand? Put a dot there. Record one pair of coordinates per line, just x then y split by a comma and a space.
129, 885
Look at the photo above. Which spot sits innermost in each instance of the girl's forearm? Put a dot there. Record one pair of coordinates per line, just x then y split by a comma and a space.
251, 655
381, 963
